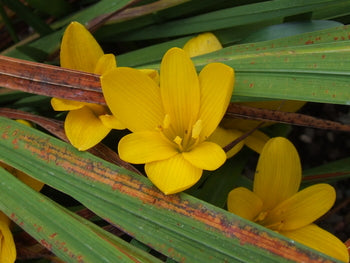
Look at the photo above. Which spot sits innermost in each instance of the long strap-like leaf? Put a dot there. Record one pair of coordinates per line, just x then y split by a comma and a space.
178, 226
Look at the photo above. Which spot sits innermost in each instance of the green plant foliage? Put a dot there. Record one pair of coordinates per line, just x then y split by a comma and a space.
178, 226
280, 50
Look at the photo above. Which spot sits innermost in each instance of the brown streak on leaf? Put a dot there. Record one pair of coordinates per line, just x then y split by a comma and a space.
131, 185
56, 128
246, 112
49, 80
64, 83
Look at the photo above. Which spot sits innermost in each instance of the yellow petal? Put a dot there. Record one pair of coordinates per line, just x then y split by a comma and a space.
64, 105
134, 98
180, 91
79, 49
223, 137
112, 122
30, 181
152, 73
27, 123
278, 173
105, 63
256, 141
8, 248
207, 156
173, 175
301, 209
216, 82
321, 240
202, 44
244, 203
144, 147
84, 129
33, 183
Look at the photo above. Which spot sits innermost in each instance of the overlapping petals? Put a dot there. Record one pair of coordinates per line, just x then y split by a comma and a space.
173, 175
206, 43
171, 122
86, 124
276, 203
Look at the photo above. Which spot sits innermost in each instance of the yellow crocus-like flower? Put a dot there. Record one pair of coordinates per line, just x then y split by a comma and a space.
86, 124
276, 203
170, 123
232, 129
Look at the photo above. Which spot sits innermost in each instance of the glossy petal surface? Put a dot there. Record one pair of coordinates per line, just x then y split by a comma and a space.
134, 98
180, 92
244, 203
105, 63
301, 209
112, 122
256, 141
224, 137
173, 175
207, 156
202, 44
278, 173
64, 105
144, 147
79, 49
321, 240
216, 81
84, 129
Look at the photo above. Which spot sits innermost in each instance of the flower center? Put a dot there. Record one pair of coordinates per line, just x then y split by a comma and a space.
184, 142
261, 220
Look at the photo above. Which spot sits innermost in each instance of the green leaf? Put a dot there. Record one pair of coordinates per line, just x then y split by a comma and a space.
44, 46
289, 29
25, 13
179, 226
330, 172
229, 17
55, 8
67, 235
310, 67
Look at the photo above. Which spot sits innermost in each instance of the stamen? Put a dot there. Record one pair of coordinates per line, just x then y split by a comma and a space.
166, 121
178, 141
196, 129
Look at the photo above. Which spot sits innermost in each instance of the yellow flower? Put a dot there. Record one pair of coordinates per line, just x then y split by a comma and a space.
7, 248
276, 203
202, 44
86, 124
232, 129
170, 123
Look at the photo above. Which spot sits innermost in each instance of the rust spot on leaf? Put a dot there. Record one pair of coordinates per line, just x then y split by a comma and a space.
309, 42
93, 170
46, 244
